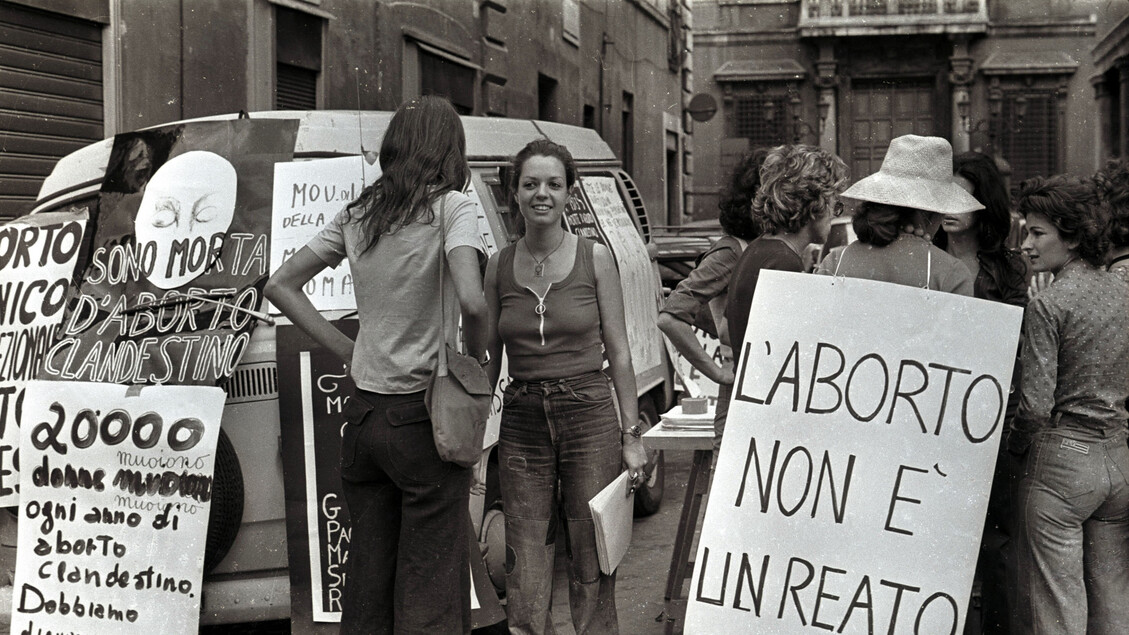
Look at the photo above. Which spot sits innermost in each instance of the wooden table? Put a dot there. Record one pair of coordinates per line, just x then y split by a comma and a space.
700, 441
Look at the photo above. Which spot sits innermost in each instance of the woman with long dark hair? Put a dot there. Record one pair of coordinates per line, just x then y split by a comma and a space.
707, 286
1113, 186
977, 239
408, 568
556, 306
1073, 504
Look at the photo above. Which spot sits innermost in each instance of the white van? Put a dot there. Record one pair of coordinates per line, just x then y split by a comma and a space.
246, 563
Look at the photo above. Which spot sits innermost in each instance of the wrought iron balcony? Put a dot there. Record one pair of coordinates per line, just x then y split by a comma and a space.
891, 17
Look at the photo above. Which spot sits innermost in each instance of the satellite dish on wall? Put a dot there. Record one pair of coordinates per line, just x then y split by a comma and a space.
702, 107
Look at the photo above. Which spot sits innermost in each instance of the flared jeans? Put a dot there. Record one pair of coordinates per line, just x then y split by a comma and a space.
559, 445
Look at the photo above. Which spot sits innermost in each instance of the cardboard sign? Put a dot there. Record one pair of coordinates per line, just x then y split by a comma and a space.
179, 257
307, 195
116, 491
314, 389
853, 476
636, 275
37, 260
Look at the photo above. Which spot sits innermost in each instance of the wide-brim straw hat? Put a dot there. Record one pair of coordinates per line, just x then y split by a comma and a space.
918, 173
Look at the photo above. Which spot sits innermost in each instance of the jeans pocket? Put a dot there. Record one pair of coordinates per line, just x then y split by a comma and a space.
411, 446
349, 447
509, 395
593, 391
1066, 466
356, 412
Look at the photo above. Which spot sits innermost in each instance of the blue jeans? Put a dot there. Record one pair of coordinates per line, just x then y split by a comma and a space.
409, 567
557, 437
1073, 533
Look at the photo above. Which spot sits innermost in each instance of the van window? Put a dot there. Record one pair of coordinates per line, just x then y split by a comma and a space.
496, 189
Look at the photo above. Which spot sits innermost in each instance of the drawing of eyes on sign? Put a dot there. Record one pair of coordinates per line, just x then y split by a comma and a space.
184, 215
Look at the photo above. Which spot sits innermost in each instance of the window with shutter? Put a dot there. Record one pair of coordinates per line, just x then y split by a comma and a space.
1030, 144
50, 98
298, 51
762, 120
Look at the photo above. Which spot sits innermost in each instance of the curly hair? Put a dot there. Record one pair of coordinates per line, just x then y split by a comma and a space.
878, 224
1113, 188
798, 183
1072, 205
736, 200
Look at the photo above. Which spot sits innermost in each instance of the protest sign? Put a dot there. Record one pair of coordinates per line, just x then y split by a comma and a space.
314, 391
115, 495
179, 257
637, 276
37, 260
307, 195
853, 477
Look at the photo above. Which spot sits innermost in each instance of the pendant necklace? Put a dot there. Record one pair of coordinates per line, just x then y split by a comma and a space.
539, 266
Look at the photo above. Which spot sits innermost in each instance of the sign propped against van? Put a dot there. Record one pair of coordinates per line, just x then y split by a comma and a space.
853, 477
37, 260
179, 257
116, 493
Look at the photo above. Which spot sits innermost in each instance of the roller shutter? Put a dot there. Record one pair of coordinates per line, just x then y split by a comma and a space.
50, 97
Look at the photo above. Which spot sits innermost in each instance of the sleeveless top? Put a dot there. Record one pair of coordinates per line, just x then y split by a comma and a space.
562, 339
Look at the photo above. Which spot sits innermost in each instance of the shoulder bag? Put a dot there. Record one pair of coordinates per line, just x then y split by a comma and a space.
459, 394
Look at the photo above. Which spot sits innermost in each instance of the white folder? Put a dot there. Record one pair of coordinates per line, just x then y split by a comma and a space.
612, 516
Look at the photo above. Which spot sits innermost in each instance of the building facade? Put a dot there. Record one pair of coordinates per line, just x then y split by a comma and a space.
75, 71
1011, 78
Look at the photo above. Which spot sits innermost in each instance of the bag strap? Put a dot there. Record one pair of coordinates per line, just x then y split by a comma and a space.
441, 368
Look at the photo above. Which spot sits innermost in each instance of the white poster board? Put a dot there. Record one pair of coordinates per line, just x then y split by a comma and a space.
37, 260
307, 195
853, 477
636, 275
116, 490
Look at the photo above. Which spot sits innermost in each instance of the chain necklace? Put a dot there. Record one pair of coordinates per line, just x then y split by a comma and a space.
539, 267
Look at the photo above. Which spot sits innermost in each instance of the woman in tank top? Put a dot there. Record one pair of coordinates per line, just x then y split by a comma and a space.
556, 306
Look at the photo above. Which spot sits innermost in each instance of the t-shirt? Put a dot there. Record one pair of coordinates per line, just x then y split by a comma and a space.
766, 252
562, 339
707, 281
396, 284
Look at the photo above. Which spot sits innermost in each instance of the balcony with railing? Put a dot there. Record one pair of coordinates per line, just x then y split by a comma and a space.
891, 17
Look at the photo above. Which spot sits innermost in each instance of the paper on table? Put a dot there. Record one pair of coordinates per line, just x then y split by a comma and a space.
612, 516
677, 420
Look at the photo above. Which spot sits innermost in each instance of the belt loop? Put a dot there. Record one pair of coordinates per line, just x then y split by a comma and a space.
1055, 419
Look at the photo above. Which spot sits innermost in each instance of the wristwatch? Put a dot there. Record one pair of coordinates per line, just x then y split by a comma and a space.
634, 431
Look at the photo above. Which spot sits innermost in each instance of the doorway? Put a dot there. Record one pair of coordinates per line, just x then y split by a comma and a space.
883, 109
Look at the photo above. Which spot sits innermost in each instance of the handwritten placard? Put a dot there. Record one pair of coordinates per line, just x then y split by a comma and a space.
116, 490
307, 195
853, 477
37, 260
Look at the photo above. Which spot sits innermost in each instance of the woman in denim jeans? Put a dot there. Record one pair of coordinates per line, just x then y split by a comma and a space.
408, 569
1073, 505
556, 305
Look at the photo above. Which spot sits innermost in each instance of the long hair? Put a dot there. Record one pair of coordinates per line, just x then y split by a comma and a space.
422, 157
735, 203
798, 184
1113, 187
993, 223
1072, 205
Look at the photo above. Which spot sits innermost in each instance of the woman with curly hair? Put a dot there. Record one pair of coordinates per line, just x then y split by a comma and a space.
1073, 502
1113, 187
914, 187
707, 285
798, 196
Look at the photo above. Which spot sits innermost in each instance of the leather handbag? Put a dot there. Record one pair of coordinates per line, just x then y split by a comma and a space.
459, 394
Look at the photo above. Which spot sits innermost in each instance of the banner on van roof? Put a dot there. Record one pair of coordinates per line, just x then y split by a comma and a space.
180, 254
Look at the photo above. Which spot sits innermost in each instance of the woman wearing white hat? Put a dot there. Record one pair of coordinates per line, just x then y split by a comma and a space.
914, 187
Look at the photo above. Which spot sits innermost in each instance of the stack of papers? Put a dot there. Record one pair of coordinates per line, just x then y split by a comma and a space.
612, 515
677, 420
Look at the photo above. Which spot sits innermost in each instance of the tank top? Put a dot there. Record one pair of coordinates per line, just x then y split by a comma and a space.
563, 339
